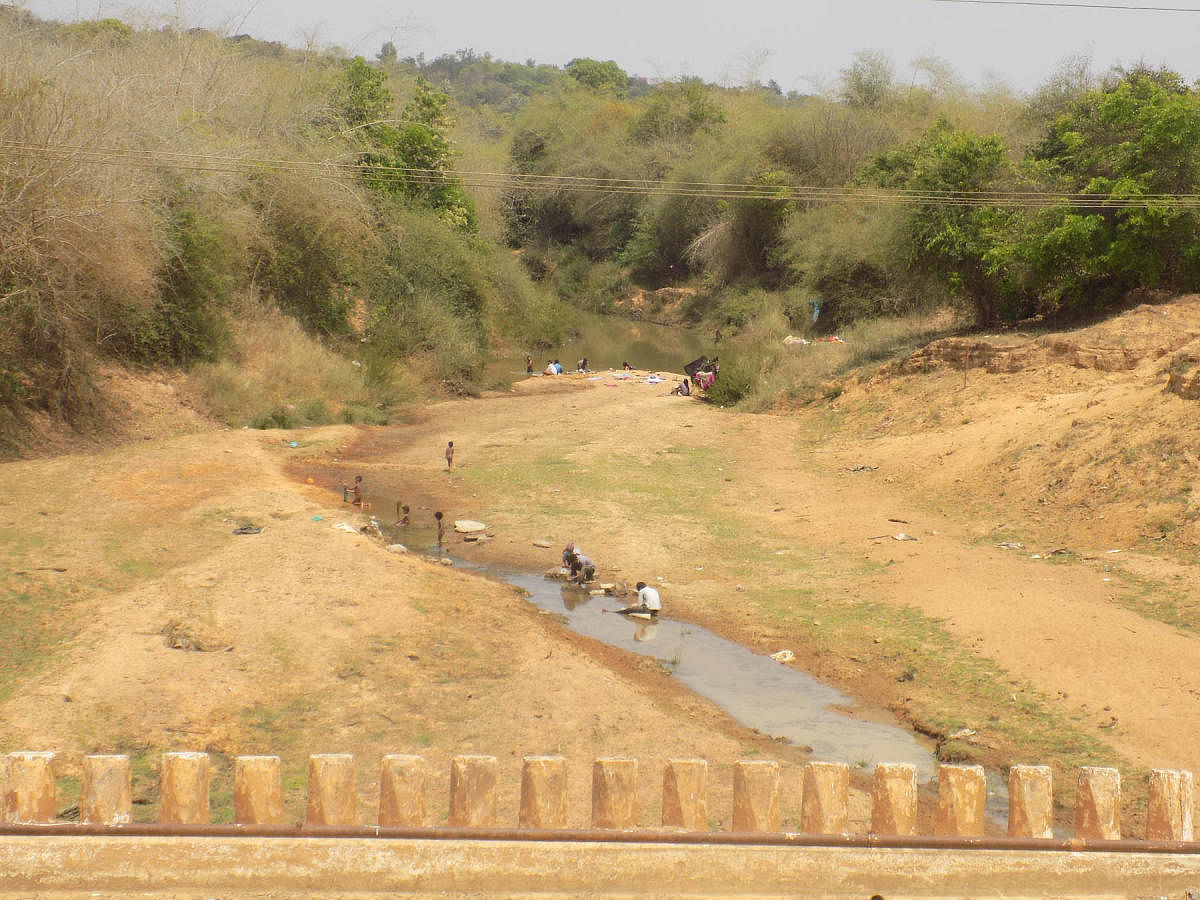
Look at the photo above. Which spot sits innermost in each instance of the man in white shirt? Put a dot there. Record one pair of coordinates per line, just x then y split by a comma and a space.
648, 599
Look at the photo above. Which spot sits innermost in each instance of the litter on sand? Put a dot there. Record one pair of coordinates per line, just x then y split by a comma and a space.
343, 526
783, 656
247, 529
901, 536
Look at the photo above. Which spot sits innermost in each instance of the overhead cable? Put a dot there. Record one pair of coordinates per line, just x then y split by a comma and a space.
1061, 3
531, 183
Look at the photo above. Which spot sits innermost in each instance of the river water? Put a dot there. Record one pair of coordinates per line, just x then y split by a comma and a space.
760, 693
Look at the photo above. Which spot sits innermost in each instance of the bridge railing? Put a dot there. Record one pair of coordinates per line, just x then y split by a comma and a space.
27, 795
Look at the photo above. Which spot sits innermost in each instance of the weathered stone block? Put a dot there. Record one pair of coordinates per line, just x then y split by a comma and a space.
106, 791
403, 792
962, 795
185, 782
756, 795
332, 798
258, 790
614, 793
543, 792
473, 791
825, 803
894, 799
1169, 813
1030, 802
1098, 804
685, 794
29, 797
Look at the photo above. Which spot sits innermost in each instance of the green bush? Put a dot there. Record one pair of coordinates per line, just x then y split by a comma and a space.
735, 381
187, 322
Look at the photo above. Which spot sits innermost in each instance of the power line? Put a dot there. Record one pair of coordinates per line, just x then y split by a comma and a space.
1057, 3
531, 183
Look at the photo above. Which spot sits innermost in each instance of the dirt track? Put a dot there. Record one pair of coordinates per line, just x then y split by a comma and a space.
759, 527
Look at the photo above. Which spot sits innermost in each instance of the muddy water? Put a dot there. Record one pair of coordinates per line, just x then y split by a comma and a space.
757, 691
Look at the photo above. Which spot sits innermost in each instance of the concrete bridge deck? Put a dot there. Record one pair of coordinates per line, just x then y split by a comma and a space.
211, 861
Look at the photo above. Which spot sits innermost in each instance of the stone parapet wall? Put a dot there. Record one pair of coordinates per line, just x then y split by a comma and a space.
27, 796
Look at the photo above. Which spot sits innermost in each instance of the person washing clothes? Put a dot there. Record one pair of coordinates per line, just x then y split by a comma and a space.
648, 599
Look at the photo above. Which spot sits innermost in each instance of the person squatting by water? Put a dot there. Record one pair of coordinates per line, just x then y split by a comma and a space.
578, 564
648, 599
402, 517
583, 569
353, 490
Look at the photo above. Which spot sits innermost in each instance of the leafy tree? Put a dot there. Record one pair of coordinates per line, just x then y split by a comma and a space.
868, 81
599, 76
949, 241
676, 112
103, 32
1128, 146
361, 96
411, 156
387, 54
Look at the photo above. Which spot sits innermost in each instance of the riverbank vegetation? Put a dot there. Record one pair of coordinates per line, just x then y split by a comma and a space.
217, 204
250, 214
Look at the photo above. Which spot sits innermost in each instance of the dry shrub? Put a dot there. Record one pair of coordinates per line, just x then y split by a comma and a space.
797, 374
278, 374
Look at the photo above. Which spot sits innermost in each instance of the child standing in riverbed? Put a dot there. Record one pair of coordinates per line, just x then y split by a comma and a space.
449, 455
353, 490
441, 528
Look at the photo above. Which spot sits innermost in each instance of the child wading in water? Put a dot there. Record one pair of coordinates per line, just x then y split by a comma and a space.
441, 528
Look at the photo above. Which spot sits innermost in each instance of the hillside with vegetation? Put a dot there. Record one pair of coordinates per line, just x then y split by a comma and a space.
281, 225
291, 236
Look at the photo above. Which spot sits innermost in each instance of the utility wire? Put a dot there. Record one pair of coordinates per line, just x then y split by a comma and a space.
1056, 3
528, 183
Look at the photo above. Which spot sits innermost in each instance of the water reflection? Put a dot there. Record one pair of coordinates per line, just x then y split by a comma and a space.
645, 631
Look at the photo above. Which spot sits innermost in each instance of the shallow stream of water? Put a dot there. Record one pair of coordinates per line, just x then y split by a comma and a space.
760, 693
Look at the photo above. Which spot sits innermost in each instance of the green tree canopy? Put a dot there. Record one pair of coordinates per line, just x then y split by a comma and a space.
599, 76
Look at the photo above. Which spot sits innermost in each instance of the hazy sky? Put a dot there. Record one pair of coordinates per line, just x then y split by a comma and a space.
799, 44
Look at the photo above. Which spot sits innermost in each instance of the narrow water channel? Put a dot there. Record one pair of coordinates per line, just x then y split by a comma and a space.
757, 691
